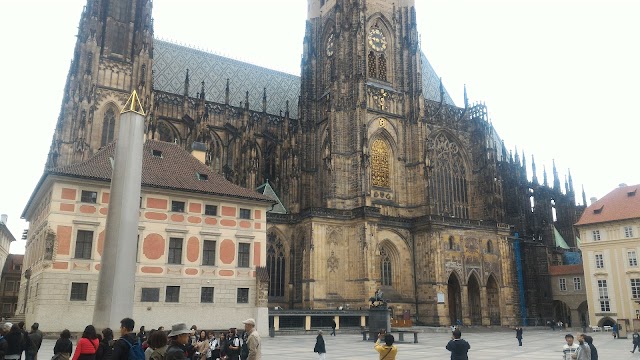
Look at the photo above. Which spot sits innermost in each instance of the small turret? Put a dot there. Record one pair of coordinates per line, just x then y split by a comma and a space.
556, 178
533, 169
226, 93
186, 84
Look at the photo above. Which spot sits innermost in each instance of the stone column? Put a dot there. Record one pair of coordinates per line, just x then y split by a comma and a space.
486, 321
115, 293
464, 301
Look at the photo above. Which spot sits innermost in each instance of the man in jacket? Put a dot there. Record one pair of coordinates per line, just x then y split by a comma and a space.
458, 347
35, 341
127, 340
178, 340
636, 341
253, 340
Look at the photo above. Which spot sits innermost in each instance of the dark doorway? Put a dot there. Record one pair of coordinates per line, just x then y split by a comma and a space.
455, 299
493, 301
475, 306
561, 312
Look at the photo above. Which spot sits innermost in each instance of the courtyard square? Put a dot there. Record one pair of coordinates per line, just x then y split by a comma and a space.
494, 345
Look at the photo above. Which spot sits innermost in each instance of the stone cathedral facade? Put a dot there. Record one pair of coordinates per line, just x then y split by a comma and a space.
384, 182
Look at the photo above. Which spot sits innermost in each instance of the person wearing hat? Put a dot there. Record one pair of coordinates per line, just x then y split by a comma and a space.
179, 338
253, 341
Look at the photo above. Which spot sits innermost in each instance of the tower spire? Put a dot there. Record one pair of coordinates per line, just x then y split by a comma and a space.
544, 176
533, 169
556, 178
584, 197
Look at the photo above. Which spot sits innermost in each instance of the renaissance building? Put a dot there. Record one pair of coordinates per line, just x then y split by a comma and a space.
382, 181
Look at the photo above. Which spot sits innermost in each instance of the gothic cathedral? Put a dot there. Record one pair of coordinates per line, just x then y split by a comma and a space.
382, 181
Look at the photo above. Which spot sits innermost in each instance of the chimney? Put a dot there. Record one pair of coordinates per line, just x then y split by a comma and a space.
593, 199
3, 219
622, 185
199, 151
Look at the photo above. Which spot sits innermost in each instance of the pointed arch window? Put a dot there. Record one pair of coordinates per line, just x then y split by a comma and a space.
380, 168
448, 184
372, 65
108, 126
275, 266
382, 68
386, 268
214, 156
489, 247
165, 132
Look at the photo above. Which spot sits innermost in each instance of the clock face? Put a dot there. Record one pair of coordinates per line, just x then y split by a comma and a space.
330, 45
377, 41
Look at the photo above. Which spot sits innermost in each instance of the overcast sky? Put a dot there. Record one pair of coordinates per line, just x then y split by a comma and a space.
560, 78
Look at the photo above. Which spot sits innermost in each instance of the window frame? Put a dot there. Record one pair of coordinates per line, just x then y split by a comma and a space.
177, 202
632, 261
628, 232
210, 253
242, 254
202, 294
603, 289
210, 206
562, 284
169, 298
635, 288
155, 298
73, 291
171, 253
599, 260
240, 298
91, 200
84, 244
577, 283
595, 235
244, 214
605, 305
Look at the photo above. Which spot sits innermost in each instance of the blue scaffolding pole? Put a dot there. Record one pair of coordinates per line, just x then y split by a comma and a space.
523, 305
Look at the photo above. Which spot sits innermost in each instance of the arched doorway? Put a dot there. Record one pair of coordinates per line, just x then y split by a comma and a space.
454, 299
583, 310
493, 301
475, 306
607, 321
562, 312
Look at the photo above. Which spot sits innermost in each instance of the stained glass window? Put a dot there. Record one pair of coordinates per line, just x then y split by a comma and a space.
108, 126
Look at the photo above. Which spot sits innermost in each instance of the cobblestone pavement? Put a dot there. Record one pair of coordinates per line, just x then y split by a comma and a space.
497, 345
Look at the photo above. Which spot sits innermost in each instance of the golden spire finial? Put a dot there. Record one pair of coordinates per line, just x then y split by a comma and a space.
133, 105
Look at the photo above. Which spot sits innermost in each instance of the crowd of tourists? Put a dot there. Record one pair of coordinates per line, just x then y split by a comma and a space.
180, 343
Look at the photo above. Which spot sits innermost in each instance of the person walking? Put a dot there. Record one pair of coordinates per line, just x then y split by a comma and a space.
178, 340
105, 349
126, 341
458, 347
519, 335
253, 341
64, 347
320, 347
594, 351
388, 351
158, 342
584, 351
87, 345
333, 327
570, 348
635, 340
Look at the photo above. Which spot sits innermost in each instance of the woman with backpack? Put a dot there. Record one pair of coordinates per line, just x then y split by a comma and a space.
64, 347
87, 345
105, 349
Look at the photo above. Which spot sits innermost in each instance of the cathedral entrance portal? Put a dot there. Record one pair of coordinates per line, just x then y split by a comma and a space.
475, 309
493, 301
455, 299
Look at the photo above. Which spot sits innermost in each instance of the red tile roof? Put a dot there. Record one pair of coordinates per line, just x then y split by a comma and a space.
620, 204
176, 169
566, 269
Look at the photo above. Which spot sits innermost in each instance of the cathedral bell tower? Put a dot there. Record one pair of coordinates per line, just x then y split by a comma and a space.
112, 57
361, 96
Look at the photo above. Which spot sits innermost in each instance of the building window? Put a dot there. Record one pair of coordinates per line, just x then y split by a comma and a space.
605, 306
599, 261
211, 210
156, 153
603, 291
9, 286
448, 184
577, 283
206, 295
380, 167
84, 242
175, 251
245, 214
595, 234
628, 232
633, 260
17, 267
243, 254
372, 65
209, 253
243, 295
385, 268
563, 284
202, 177
635, 288
88, 196
489, 247
177, 206
451, 243
79, 291
275, 266
6, 309
150, 295
173, 294
382, 68
108, 126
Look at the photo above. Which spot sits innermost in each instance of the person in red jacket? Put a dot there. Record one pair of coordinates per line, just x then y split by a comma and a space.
87, 345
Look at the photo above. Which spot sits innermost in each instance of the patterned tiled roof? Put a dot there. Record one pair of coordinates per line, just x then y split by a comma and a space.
620, 204
171, 61
431, 83
176, 169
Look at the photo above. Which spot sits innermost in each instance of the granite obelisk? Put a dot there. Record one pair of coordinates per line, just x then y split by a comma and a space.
115, 293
